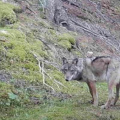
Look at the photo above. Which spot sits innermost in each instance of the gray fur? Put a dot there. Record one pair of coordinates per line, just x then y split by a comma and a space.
91, 70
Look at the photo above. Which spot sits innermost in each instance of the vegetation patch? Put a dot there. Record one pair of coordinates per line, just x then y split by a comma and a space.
20, 61
66, 37
32, 87
65, 44
7, 14
45, 24
66, 40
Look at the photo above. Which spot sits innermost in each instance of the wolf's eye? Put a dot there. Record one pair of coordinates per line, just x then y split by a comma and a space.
64, 70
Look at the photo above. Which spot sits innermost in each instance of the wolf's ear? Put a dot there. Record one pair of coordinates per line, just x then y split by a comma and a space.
64, 60
75, 61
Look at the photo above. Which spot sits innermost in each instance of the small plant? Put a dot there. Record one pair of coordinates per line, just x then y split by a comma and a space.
12, 96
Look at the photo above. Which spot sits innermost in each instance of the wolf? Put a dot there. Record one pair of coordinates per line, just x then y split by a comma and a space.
92, 70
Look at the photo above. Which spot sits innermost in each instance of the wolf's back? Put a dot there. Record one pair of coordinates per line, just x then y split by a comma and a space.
101, 69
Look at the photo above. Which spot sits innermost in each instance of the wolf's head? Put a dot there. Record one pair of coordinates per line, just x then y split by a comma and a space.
72, 71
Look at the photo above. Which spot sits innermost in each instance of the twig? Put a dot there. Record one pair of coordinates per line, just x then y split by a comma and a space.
59, 83
3, 40
30, 9
107, 40
44, 76
41, 70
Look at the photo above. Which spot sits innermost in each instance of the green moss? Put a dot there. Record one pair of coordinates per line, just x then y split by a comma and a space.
7, 14
18, 57
78, 53
66, 40
12, 34
14, 26
37, 46
58, 75
53, 32
65, 44
66, 37
5, 89
45, 24
16, 44
117, 8
31, 66
28, 75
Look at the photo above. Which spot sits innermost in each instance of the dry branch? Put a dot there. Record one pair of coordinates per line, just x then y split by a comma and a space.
106, 40
42, 71
3, 40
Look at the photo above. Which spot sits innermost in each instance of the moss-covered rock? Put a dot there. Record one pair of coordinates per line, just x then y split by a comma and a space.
7, 14
66, 40
65, 44
67, 37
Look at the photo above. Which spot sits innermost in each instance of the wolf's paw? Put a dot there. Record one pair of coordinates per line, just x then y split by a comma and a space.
112, 102
91, 101
95, 104
105, 107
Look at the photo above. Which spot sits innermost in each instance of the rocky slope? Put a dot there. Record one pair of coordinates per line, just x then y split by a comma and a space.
35, 35
31, 51
98, 20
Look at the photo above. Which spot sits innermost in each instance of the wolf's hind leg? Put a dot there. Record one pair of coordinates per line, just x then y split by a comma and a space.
110, 97
117, 95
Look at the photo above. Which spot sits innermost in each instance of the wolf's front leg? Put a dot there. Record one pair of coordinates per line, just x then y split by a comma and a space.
93, 92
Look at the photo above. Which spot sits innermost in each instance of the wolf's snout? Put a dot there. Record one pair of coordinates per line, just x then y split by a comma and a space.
67, 78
